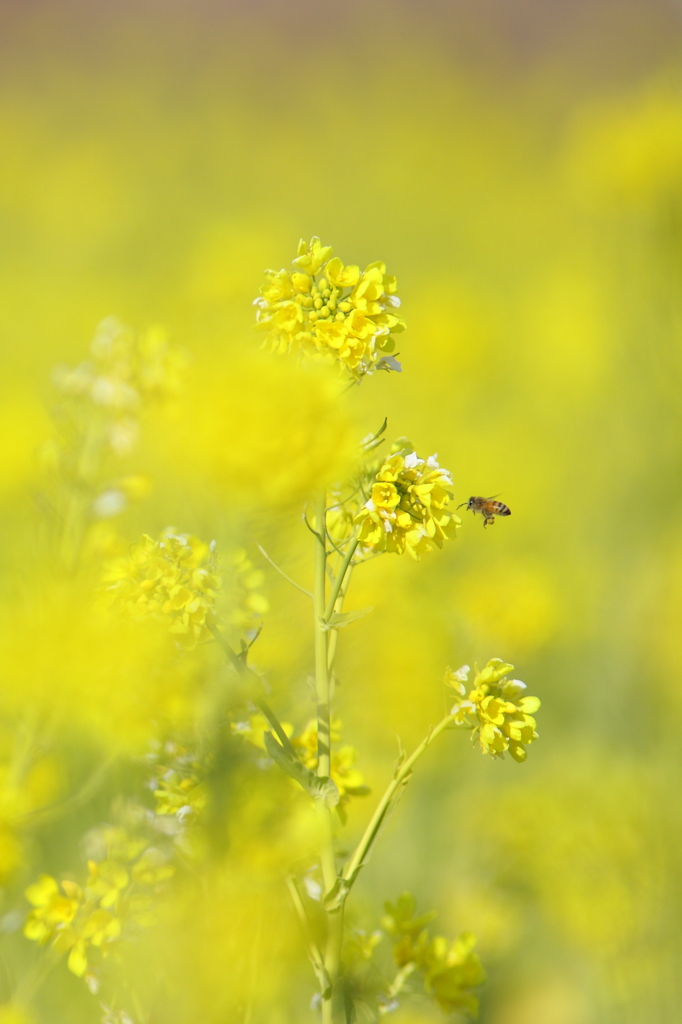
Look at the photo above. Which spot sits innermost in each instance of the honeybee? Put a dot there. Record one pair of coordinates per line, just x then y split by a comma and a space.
488, 507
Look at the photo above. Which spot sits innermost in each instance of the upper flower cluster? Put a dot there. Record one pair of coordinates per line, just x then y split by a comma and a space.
339, 311
497, 709
169, 577
407, 509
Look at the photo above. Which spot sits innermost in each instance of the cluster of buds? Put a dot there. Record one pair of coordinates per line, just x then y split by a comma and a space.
407, 508
173, 577
496, 709
450, 971
87, 921
336, 310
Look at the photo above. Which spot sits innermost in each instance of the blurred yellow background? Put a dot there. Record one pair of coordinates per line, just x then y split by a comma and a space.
518, 165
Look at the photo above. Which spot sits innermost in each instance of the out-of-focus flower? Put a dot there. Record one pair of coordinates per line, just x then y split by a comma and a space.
168, 577
266, 432
13, 1013
179, 784
339, 311
255, 728
451, 971
349, 781
496, 708
243, 582
407, 509
125, 367
83, 921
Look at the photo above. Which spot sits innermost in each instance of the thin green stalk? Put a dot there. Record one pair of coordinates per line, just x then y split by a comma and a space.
401, 778
340, 576
332, 959
334, 633
314, 953
323, 694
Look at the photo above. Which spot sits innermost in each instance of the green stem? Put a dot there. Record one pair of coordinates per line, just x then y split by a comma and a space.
340, 576
314, 953
334, 633
332, 960
401, 778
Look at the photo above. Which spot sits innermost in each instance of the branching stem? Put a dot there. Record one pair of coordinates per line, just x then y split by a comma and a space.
400, 778
274, 565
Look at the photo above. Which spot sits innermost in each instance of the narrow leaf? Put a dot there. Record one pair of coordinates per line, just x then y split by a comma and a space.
340, 619
318, 786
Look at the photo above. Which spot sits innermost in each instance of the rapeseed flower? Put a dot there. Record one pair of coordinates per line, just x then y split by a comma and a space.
450, 970
168, 578
338, 311
497, 709
349, 781
407, 508
86, 921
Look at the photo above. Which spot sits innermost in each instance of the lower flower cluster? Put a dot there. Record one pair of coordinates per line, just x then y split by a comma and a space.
496, 708
87, 921
450, 971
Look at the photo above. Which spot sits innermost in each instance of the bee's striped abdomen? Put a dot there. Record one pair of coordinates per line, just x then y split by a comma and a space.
500, 509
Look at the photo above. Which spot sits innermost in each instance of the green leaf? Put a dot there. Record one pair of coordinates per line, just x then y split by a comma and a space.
372, 441
320, 787
340, 619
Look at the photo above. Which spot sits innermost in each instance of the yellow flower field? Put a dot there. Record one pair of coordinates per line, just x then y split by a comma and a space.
246, 772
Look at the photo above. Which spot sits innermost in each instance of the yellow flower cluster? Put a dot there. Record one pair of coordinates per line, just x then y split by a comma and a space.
125, 368
349, 781
450, 970
497, 709
179, 788
87, 921
106, 393
407, 508
326, 307
171, 577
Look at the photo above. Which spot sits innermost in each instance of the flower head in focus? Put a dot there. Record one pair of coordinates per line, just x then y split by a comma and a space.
338, 311
171, 577
496, 708
407, 507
